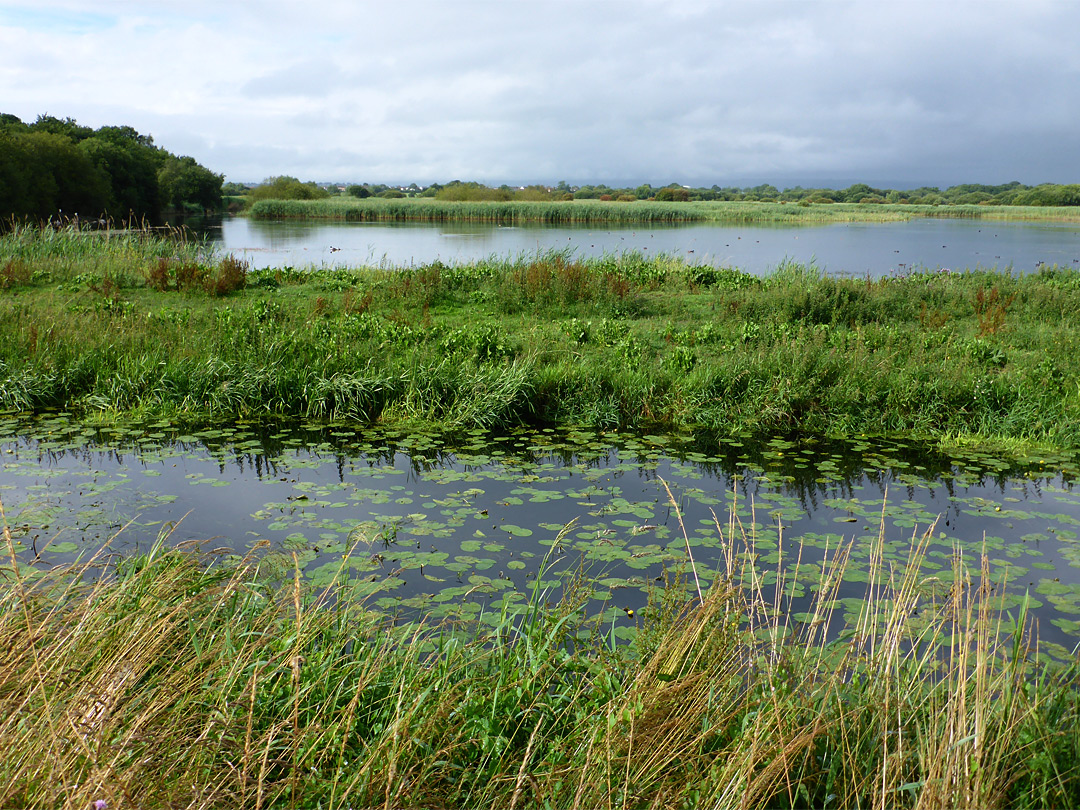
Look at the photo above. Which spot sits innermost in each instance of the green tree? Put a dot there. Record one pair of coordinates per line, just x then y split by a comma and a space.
132, 171
533, 193
55, 166
67, 127
287, 188
16, 179
859, 191
186, 184
45, 174
471, 191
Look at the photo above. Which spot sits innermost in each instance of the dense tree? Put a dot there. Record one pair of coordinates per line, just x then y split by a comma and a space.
861, 192
1012, 193
18, 189
183, 182
535, 194
673, 194
765, 192
61, 126
460, 191
285, 187
46, 174
131, 169
1050, 194
55, 167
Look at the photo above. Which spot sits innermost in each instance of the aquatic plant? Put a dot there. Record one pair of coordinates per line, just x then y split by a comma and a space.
578, 211
177, 679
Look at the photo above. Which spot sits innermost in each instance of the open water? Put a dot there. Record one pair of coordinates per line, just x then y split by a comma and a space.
452, 526
859, 249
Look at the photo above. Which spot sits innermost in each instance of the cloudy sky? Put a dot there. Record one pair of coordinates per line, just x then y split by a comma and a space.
813, 92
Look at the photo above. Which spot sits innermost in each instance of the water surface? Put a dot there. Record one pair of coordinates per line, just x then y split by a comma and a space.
862, 249
456, 526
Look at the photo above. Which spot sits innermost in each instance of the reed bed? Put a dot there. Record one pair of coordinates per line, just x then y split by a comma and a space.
592, 211
174, 680
29, 254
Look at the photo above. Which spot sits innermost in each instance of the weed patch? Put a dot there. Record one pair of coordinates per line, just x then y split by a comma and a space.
991, 308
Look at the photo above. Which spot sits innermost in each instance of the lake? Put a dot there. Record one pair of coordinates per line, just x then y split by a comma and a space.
860, 249
455, 527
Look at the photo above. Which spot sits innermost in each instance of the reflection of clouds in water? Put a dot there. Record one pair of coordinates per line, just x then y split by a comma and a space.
858, 249
492, 498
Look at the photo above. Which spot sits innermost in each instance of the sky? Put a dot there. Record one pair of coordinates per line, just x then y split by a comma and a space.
894, 93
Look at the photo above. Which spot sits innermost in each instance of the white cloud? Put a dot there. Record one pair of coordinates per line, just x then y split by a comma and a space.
590, 90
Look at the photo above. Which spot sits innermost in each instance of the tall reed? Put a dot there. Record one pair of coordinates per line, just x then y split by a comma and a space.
593, 211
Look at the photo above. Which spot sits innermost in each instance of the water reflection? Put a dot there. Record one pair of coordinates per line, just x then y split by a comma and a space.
860, 249
446, 523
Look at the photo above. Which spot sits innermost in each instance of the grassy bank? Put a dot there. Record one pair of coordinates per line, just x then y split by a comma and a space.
107, 327
583, 211
173, 681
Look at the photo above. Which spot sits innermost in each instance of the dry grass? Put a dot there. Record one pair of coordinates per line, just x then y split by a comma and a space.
170, 682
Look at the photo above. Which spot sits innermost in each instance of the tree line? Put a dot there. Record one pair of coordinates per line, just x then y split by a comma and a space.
56, 169
1014, 193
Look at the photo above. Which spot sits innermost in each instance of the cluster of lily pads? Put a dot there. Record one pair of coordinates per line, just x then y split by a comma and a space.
469, 525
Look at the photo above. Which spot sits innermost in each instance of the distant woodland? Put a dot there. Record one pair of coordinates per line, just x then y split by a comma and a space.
55, 169
1014, 193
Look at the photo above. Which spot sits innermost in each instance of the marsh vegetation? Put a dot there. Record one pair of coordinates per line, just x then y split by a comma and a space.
174, 677
139, 325
168, 680
349, 209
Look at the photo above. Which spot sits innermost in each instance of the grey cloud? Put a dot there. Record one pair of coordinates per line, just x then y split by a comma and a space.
308, 79
698, 90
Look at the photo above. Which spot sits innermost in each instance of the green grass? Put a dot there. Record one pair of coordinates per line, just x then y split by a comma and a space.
582, 211
615, 342
67, 252
174, 680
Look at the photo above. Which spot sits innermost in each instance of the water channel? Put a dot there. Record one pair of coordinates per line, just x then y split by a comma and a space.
465, 525
860, 249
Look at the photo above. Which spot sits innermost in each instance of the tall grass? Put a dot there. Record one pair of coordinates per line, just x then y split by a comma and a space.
44, 255
615, 341
592, 211
173, 681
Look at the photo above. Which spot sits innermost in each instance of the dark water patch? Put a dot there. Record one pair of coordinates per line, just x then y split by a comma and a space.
471, 524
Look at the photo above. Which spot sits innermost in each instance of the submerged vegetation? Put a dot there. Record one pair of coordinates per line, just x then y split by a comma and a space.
146, 325
168, 680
